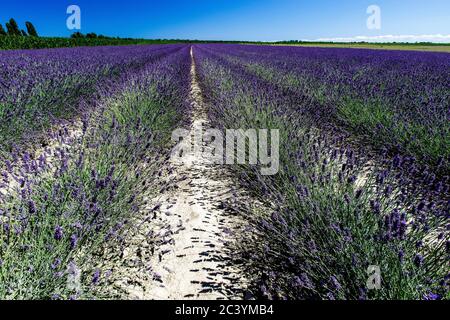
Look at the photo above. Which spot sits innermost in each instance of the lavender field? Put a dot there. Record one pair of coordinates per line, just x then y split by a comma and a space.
93, 207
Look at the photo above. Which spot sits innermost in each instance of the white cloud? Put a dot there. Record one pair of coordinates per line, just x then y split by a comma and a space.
438, 38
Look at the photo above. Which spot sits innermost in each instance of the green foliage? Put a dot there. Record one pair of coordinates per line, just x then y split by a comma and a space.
9, 29
31, 29
77, 35
2, 31
76, 40
13, 28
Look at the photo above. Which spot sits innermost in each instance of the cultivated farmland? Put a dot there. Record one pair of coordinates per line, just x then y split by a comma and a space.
92, 205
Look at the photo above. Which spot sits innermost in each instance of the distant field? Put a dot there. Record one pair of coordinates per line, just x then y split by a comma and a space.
19, 42
430, 48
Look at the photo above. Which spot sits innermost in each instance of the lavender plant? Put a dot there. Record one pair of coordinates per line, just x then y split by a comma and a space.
66, 204
42, 87
394, 100
338, 208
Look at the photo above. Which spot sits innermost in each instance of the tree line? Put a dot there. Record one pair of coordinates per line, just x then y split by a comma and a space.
12, 29
92, 35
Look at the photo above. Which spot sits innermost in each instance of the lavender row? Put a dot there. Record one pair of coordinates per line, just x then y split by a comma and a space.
38, 87
64, 206
336, 211
393, 100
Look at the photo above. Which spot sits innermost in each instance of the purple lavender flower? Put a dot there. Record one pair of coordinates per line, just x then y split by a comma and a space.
96, 277
58, 235
335, 283
418, 260
56, 263
330, 296
362, 294
31, 207
73, 241
432, 296
401, 255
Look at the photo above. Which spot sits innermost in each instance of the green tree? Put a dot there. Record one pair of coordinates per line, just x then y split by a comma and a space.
24, 33
31, 29
9, 29
13, 28
77, 35
91, 35
2, 31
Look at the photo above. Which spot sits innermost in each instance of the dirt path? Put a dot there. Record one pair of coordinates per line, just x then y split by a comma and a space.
190, 254
194, 264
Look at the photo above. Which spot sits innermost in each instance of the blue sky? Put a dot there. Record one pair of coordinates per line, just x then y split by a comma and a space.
266, 20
